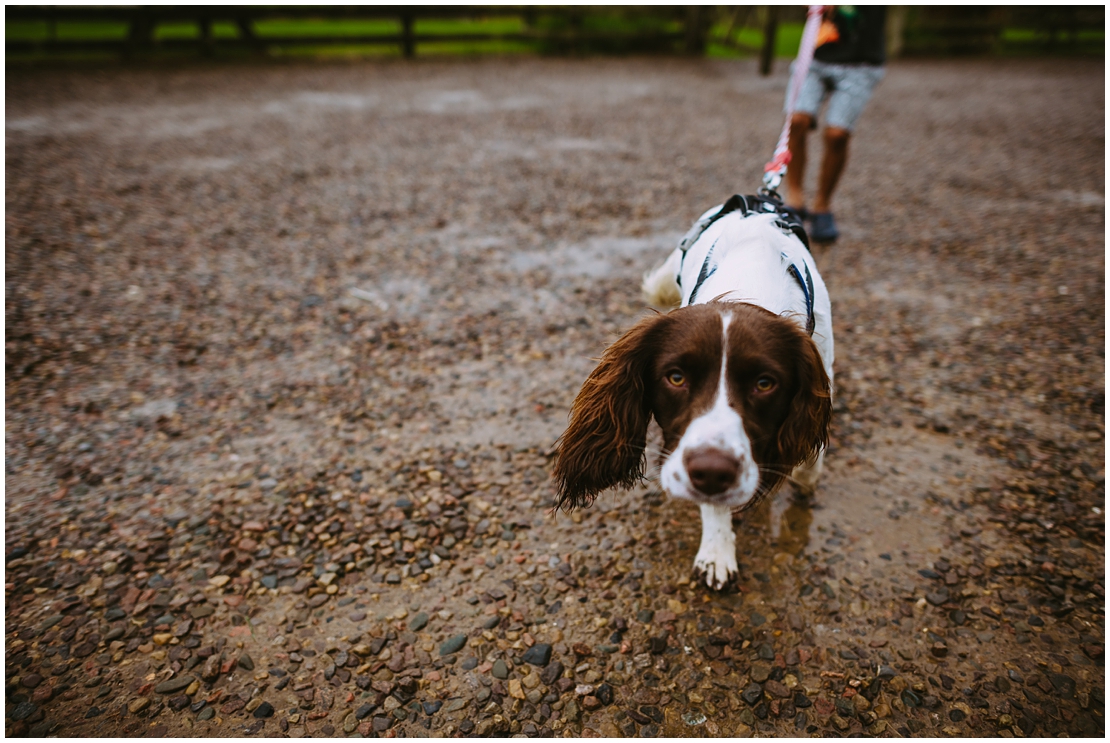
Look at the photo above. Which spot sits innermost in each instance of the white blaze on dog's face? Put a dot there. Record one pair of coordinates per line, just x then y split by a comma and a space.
712, 462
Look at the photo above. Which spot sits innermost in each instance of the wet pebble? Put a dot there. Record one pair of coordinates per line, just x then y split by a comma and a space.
23, 710
1064, 685
938, 597
693, 718
173, 685
551, 673
538, 655
452, 645
776, 689
752, 694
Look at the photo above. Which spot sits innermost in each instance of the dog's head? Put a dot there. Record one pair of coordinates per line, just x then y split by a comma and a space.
739, 392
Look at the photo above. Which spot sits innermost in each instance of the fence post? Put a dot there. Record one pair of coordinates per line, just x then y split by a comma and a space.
895, 30
408, 44
246, 32
206, 36
767, 53
696, 17
141, 33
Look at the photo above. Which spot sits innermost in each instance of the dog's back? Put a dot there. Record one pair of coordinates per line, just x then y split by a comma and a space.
746, 258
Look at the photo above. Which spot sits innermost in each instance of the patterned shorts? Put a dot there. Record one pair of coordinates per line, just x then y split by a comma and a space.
847, 87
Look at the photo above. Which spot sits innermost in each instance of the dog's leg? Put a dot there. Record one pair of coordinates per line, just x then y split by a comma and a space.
805, 476
715, 563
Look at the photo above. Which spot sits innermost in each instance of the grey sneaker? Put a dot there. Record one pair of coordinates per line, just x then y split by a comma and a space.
823, 227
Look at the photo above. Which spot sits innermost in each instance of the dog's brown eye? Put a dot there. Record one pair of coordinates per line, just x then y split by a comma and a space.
676, 378
764, 384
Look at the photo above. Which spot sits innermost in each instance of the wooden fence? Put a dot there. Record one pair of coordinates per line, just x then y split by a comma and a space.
916, 30
667, 29
948, 30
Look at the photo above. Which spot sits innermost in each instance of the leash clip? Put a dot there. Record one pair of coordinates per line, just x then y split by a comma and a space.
773, 173
772, 179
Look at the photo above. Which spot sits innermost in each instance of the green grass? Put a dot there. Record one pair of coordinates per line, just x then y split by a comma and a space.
66, 31
474, 48
616, 25
502, 25
788, 38
336, 51
1018, 42
1032, 35
614, 20
319, 27
496, 25
506, 25
220, 30
296, 28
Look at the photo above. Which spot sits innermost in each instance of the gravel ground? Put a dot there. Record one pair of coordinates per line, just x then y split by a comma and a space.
288, 348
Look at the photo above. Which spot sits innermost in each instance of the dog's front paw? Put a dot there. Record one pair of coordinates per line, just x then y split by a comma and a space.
718, 572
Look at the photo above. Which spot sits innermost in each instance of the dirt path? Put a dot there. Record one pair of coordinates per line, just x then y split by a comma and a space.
287, 349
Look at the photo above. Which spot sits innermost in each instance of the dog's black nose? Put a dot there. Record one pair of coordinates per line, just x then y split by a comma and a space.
711, 471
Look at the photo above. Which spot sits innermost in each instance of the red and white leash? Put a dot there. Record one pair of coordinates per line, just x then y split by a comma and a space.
776, 168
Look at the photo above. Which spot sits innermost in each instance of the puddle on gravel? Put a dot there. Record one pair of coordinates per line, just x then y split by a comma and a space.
823, 571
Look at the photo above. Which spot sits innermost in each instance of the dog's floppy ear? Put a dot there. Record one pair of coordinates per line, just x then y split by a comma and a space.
806, 429
604, 444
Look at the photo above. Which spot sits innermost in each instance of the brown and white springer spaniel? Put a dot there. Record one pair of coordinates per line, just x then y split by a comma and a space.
741, 385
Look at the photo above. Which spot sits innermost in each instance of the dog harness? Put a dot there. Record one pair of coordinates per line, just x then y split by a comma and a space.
786, 219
